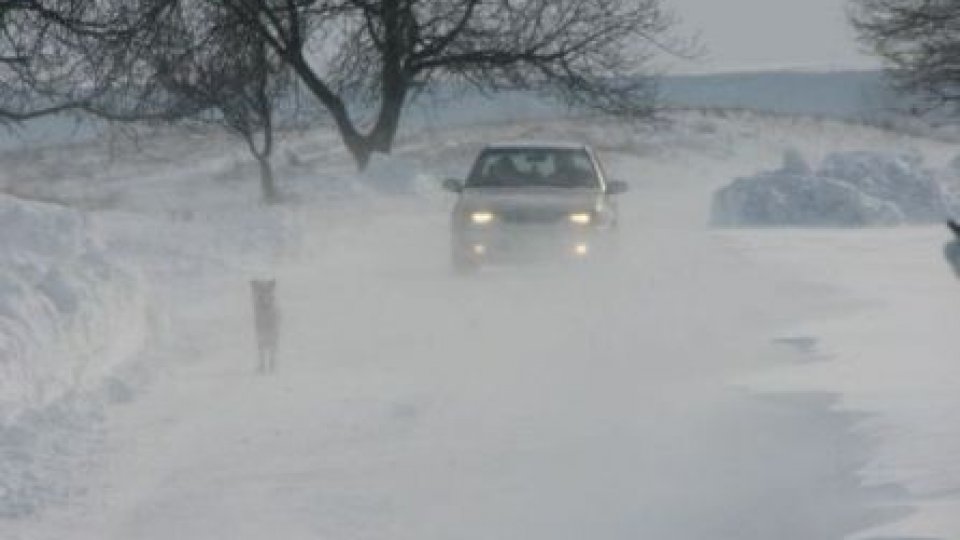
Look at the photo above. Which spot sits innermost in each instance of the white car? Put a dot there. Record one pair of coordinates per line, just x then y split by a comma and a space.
532, 201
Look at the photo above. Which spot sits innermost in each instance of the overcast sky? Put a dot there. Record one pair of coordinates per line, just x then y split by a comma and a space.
764, 34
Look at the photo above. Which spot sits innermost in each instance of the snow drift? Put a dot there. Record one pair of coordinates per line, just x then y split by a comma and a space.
68, 315
850, 189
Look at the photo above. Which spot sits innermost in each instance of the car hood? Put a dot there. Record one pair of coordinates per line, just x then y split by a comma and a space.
558, 199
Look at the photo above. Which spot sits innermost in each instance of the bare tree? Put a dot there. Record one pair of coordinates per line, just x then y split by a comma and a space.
79, 54
25, 53
363, 59
920, 42
214, 64
148, 60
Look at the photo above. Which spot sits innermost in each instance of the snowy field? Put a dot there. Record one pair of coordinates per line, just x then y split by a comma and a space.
724, 384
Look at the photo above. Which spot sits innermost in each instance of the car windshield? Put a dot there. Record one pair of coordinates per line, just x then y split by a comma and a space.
534, 167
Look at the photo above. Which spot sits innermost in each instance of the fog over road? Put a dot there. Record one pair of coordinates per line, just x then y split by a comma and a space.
593, 401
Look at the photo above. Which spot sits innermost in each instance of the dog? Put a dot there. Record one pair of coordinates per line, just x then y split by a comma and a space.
952, 250
266, 318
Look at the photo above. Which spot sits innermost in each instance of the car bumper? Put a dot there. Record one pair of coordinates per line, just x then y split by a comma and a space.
527, 244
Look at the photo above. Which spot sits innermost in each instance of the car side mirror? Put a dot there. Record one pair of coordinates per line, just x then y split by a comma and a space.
453, 185
616, 187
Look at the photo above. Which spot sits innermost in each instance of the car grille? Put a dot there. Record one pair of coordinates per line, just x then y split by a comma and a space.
533, 215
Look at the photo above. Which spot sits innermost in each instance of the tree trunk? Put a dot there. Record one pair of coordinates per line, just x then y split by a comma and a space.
360, 149
383, 134
268, 186
356, 143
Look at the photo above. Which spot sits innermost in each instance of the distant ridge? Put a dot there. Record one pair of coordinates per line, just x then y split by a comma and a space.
844, 94
854, 95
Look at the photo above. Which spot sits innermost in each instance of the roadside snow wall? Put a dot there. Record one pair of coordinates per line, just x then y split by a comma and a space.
68, 316
850, 189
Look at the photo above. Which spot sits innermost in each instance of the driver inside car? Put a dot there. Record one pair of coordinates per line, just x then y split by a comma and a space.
503, 169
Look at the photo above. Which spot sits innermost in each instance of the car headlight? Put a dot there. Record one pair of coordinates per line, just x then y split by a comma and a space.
581, 218
481, 218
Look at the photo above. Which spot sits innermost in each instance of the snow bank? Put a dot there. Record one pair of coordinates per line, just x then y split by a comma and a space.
850, 189
68, 318
899, 179
67, 315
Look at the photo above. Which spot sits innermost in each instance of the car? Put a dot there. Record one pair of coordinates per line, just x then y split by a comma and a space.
532, 201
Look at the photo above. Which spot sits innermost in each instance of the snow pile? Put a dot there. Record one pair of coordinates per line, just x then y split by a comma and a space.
67, 315
850, 189
899, 179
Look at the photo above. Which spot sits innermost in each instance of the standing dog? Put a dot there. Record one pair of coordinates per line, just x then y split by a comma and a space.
952, 251
266, 318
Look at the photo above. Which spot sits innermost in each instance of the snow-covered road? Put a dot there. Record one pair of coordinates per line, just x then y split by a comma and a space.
592, 402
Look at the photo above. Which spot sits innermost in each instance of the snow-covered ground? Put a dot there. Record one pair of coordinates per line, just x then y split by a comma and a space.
704, 384
894, 356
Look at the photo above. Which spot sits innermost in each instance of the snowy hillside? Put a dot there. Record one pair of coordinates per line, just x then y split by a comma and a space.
724, 384
859, 96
